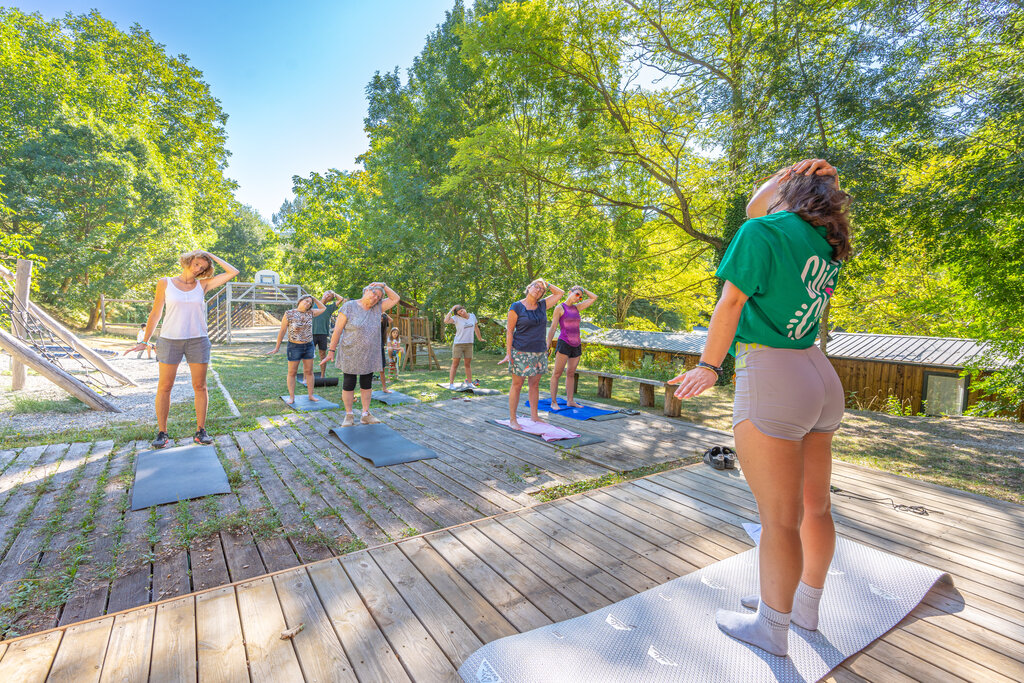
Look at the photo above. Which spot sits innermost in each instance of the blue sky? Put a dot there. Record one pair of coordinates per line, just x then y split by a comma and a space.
290, 75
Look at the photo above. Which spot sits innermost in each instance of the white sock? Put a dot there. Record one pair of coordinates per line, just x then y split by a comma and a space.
766, 628
805, 605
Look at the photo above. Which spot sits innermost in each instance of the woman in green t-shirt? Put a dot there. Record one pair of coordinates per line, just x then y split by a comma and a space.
780, 270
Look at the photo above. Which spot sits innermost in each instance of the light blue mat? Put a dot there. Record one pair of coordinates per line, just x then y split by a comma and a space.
304, 405
669, 633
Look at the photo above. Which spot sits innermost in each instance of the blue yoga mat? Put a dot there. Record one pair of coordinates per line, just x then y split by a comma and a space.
172, 474
303, 404
584, 413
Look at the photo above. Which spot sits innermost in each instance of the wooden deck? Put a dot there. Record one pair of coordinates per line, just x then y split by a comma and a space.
415, 608
70, 549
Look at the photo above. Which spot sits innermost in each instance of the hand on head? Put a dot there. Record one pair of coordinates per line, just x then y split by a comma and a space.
809, 167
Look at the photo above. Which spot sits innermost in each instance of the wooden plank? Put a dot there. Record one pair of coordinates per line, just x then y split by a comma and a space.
475, 611
241, 549
317, 646
419, 654
577, 591
270, 658
80, 656
30, 659
515, 607
130, 646
555, 606
174, 641
368, 650
89, 592
220, 650
444, 625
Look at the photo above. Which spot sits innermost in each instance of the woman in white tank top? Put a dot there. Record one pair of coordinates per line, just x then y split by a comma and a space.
182, 301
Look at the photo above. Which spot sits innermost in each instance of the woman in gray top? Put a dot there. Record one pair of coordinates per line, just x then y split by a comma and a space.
356, 338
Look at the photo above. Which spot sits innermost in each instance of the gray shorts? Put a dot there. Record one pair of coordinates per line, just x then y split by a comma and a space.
787, 393
195, 350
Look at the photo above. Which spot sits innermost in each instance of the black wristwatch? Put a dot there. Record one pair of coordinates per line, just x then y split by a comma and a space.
709, 366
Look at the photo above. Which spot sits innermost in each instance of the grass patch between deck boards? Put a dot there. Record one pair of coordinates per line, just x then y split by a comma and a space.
562, 490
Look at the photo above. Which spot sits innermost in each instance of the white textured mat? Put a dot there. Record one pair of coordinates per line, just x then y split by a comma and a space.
669, 633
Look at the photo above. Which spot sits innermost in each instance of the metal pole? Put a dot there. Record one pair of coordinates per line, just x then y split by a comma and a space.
19, 314
228, 321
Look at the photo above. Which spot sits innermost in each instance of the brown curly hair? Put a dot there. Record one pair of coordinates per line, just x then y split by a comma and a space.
819, 201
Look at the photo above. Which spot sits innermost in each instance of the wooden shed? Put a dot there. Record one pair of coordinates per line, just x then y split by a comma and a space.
922, 373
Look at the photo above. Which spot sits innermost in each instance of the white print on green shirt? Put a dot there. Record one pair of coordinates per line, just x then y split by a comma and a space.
819, 277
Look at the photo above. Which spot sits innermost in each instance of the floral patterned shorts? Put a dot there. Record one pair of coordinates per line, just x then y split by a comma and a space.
528, 363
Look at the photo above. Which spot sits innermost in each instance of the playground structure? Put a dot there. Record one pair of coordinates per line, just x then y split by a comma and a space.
38, 341
415, 332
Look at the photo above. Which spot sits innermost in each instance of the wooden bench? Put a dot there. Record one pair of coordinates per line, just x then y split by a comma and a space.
673, 405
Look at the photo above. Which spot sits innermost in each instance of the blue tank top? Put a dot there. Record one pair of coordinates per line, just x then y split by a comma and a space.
531, 327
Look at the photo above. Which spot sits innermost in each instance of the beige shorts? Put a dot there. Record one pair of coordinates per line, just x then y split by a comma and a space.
787, 393
460, 351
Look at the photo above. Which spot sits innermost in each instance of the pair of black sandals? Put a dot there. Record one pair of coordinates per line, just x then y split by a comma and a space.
720, 457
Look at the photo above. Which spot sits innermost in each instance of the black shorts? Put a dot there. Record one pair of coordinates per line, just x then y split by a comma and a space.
571, 351
321, 341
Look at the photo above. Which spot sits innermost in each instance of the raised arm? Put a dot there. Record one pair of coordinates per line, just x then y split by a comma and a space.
217, 280
591, 298
392, 298
555, 297
320, 307
556, 318
154, 315
448, 320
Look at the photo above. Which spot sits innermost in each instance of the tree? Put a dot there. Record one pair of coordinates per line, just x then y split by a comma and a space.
247, 242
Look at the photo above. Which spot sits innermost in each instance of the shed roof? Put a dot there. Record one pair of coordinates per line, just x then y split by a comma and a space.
891, 348
897, 348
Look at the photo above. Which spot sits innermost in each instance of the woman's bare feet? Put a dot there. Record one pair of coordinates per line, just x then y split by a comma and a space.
313, 398
514, 424
574, 404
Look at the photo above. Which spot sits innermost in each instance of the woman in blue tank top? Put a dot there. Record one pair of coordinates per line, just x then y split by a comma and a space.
526, 349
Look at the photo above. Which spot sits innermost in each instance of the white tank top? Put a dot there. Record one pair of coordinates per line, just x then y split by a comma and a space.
184, 313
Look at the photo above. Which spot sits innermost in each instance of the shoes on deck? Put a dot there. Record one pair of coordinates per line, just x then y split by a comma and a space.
161, 440
368, 419
730, 458
201, 437
349, 420
714, 457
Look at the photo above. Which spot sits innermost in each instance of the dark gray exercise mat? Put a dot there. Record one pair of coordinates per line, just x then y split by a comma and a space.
395, 398
581, 440
172, 474
381, 444
318, 380
303, 404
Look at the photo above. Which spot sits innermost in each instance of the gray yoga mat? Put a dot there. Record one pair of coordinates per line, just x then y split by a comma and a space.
381, 444
581, 440
171, 474
395, 398
304, 405
669, 633
476, 391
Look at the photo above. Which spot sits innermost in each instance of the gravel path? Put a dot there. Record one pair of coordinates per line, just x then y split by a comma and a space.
137, 403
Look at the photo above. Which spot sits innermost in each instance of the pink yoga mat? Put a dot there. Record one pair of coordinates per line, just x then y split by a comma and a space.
548, 432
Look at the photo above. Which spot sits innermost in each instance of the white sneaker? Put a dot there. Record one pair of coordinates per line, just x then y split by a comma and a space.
349, 420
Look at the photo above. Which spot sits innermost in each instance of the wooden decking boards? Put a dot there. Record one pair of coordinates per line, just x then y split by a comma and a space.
414, 609
69, 542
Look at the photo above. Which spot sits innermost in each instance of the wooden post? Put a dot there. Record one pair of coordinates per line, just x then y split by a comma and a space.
575, 382
19, 316
673, 405
103, 313
604, 387
74, 342
646, 394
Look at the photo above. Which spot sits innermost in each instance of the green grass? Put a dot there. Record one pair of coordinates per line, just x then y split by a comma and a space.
562, 490
26, 404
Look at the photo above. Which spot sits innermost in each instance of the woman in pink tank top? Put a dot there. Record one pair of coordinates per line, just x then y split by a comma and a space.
566, 319
182, 302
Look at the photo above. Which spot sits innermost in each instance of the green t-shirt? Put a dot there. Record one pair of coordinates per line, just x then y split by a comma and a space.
785, 266
322, 322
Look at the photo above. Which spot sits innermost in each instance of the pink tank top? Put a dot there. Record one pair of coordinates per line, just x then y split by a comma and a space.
569, 325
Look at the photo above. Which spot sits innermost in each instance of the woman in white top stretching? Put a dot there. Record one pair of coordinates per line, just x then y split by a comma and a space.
184, 333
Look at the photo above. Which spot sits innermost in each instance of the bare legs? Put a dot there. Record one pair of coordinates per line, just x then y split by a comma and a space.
163, 394
556, 374
349, 397
513, 400
451, 373
455, 367
293, 366
199, 387
469, 370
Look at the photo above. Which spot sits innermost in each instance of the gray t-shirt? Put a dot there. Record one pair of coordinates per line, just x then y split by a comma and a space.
359, 347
